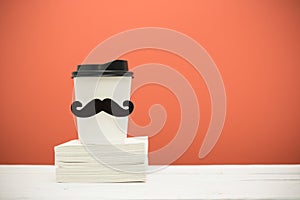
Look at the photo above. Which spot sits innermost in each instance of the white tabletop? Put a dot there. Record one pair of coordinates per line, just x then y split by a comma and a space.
174, 182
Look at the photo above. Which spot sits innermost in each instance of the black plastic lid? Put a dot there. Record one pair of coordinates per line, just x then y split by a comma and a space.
114, 68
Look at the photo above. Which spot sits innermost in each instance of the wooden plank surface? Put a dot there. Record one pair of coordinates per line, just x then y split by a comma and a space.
173, 182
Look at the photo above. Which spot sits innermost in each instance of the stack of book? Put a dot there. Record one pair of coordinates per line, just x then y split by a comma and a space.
126, 162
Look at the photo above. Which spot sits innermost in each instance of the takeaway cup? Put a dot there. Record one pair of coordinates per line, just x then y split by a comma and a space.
102, 102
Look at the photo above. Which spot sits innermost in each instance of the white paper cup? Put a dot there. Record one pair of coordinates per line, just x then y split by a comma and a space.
104, 82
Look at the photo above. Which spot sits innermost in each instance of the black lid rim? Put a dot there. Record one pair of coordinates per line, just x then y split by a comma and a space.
102, 74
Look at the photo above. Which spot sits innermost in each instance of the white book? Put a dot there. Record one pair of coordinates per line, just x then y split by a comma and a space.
126, 162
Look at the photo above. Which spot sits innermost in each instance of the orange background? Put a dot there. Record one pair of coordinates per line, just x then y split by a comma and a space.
255, 45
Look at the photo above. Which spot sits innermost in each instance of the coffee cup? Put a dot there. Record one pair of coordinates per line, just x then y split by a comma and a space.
102, 102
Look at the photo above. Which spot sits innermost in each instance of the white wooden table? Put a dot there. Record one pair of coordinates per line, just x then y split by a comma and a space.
174, 182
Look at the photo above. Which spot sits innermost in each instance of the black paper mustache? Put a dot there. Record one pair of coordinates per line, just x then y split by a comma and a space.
96, 105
